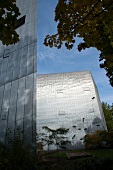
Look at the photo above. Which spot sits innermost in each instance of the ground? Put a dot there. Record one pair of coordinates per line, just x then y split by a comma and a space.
96, 158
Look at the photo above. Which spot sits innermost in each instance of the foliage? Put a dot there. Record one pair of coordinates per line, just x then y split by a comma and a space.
95, 163
56, 137
39, 146
108, 114
90, 20
100, 160
93, 140
44, 139
101, 153
100, 139
16, 154
108, 138
8, 20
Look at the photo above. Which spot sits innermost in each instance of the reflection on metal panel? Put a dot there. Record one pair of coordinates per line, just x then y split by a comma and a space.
18, 69
67, 100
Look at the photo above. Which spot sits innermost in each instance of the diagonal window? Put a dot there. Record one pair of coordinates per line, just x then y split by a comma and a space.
20, 22
6, 53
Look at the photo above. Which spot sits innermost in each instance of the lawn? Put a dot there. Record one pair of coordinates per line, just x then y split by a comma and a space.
101, 153
101, 159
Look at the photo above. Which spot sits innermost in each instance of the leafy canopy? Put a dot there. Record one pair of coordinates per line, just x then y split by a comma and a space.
99, 139
90, 20
8, 19
108, 114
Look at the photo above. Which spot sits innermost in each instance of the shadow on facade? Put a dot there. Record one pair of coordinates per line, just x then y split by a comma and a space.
17, 90
95, 125
77, 140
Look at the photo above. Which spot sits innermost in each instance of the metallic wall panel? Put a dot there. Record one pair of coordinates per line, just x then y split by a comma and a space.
18, 74
29, 95
19, 124
28, 129
2, 133
13, 102
34, 94
20, 101
1, 98
34, 129
16, 64
30, 59
69, 100
5, 103
20, 63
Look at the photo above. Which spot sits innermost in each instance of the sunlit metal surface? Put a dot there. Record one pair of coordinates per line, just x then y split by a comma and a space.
69, 100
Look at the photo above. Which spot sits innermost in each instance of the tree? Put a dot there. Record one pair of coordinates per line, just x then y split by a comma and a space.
93, 140
108, 114
8, 20
43, 140
99, 139
57, 137
90, 20
39, 146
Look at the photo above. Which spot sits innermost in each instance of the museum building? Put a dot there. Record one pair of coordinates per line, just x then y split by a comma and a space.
18, 73
29, 101
69, 100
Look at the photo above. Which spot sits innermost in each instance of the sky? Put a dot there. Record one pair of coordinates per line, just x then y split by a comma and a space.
53, 60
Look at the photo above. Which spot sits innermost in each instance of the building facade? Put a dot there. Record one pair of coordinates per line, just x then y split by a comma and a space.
69, 100
18, 69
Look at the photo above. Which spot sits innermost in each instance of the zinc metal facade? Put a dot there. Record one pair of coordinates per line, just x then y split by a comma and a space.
18, 67
69, 100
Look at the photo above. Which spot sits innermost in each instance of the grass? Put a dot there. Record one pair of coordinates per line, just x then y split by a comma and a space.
59, 154
58, 160
101, 153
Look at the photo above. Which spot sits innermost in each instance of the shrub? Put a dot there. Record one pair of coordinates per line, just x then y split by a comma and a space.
95, 163
93, 140
100, 139
16, 154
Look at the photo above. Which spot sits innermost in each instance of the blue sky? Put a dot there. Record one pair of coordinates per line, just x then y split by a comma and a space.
52, 60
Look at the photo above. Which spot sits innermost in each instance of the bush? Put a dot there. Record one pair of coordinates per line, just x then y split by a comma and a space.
100, 139
16, 154
93, 140
95, 163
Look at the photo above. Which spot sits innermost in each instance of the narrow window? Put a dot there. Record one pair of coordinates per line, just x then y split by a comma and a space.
98, 125
81, 138
20, 22
73, 136
83, 119
6, 53
61, 112
3, 117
